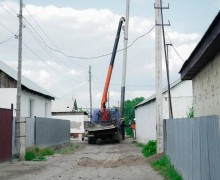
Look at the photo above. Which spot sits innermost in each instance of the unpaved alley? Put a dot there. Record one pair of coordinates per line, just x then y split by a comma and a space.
122, 161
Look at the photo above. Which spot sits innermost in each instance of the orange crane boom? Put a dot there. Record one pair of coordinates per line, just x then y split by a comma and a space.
109, 74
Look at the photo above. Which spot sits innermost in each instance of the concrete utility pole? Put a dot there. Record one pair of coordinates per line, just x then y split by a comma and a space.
18, 107
158, 71
124, 59
90, 91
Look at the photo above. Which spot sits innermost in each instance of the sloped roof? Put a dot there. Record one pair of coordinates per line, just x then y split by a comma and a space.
25, 82
204, 52
153, 97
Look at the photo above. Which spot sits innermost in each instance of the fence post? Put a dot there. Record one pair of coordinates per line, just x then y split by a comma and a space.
35, 130
164, 136
22, 138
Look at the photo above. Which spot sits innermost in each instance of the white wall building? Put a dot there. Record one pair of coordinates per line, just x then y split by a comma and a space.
64, 109
145, 112
35, 101
203, 68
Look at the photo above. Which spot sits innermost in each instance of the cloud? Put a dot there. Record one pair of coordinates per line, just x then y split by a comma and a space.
87, 32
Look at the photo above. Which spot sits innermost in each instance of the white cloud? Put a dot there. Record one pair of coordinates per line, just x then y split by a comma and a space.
88, 32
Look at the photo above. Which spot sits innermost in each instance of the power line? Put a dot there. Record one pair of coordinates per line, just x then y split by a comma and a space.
8, 12
96, 57
7, 40
53, 56
47, 63
45, 44
9, 6
41, 28
79, 57
7, 29
174, 47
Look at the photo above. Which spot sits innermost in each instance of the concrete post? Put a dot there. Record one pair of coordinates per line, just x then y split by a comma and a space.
158, 71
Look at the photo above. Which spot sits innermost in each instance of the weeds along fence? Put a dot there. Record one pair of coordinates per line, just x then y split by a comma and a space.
193, 146
43, 132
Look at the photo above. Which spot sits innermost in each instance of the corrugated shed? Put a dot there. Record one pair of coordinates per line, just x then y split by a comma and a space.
26, 83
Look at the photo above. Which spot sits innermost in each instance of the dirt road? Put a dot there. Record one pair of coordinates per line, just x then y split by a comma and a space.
122, 161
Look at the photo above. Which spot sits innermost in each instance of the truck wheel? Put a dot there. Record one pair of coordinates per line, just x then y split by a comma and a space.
117, 138
91, 140
99, 141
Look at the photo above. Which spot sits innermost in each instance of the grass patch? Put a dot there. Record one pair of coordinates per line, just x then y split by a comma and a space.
166, 169
38, 154
150, 148
68, 149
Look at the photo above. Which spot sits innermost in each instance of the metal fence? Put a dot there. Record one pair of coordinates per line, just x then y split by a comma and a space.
51, 132
6, 117
193, 146
43, 132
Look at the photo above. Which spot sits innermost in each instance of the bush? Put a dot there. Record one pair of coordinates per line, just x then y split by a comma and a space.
166, 169
29, 156
47, 151
37, 154
150, 148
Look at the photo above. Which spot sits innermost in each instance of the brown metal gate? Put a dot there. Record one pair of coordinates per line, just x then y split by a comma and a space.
6, 118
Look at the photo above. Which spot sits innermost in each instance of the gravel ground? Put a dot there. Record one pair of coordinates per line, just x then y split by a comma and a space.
122, 161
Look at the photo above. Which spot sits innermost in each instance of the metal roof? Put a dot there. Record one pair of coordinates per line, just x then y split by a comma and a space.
153, 97
26, 83
205, 51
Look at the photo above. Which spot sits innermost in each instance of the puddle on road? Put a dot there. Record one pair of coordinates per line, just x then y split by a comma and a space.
123, 161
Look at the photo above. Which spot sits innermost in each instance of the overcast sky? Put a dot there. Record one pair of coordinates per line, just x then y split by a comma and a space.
87, 28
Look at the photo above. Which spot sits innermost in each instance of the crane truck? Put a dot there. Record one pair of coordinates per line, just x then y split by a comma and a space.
105, 123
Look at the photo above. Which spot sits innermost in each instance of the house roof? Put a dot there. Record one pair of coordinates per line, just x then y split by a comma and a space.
25, 82
153, 97
205, 51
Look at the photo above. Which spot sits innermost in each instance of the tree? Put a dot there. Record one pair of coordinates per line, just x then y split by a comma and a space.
129, 114
75, 105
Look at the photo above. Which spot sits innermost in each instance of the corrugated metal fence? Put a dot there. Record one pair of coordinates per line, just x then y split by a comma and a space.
193, 146
44, 132
6, 118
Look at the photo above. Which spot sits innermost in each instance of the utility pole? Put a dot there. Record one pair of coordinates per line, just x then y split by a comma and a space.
18, 107
159, 102
124, 59
168, 82
90, 91
158, 71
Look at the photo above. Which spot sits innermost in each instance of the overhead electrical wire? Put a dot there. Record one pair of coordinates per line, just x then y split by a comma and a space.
7, 39
14, 17
7, 29
103, 55
79, 57
174, 47
9, 6
48, 64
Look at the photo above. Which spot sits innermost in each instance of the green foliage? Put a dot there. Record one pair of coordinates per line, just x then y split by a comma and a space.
150, 148
29, 156
129, 114
68, 150
166, 169
190, 113
47, 151
37, 154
